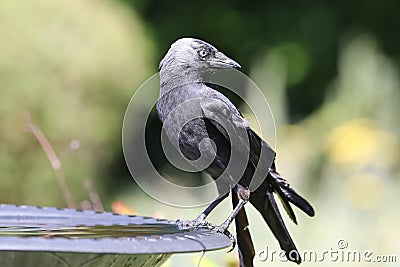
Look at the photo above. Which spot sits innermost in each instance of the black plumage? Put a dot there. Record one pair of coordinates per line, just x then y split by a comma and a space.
192, 111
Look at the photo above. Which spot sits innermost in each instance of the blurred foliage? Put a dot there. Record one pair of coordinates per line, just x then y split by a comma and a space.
306, 33
330, 71
72, 67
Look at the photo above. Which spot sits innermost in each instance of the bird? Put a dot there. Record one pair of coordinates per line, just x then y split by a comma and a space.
208, 130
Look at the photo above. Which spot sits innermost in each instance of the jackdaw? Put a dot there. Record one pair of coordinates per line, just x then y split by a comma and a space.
209, 131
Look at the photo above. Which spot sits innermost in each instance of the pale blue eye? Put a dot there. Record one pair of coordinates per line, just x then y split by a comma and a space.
203, 53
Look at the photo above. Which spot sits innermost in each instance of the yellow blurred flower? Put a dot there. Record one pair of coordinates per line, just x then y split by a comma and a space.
361, 142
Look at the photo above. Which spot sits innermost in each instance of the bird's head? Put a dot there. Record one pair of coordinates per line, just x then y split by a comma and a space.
189, 56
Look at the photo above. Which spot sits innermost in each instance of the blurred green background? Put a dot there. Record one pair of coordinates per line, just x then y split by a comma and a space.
329, 70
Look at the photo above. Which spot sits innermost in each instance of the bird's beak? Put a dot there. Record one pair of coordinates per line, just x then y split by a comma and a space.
221, 61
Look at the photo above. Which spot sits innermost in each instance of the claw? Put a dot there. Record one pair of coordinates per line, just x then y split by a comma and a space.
232, 238
192, 224
223, 230
184, 224
201, 222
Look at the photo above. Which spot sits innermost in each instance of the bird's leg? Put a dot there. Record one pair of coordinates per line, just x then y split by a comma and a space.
212, 206
243, 195
232, 216
200, 220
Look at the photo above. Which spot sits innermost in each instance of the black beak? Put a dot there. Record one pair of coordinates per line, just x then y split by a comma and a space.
223, 62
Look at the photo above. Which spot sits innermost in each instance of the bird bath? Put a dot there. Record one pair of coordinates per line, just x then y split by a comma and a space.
35, 236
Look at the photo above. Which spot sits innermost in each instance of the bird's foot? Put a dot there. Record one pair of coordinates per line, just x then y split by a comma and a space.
223, 230
200, 222
192, 224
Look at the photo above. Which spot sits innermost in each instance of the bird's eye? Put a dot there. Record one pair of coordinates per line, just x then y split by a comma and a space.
203, 53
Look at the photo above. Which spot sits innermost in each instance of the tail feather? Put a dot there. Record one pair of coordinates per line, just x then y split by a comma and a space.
287, 194
284, 198
264, 201
244, 241
268, 208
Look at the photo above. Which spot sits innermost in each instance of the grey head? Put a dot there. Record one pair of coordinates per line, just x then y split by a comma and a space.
192, 60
